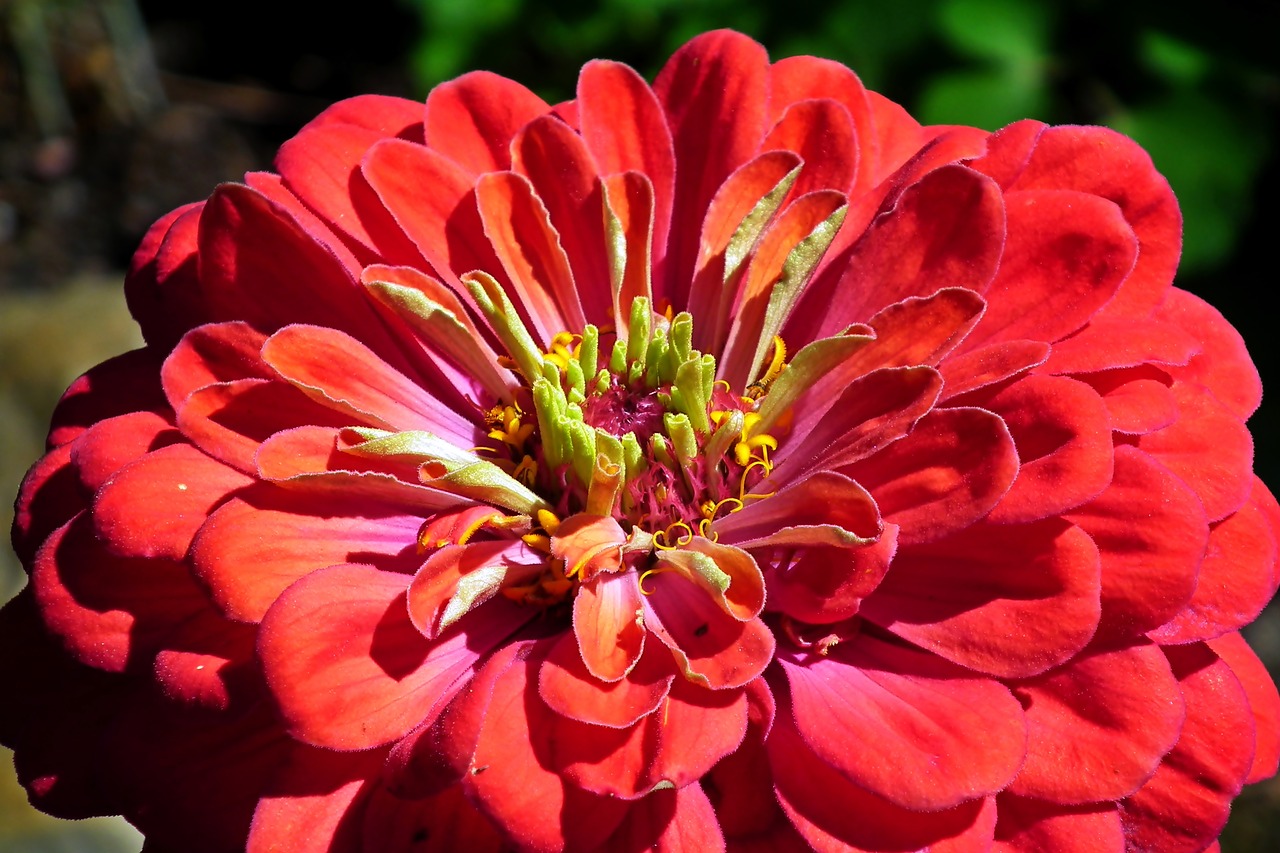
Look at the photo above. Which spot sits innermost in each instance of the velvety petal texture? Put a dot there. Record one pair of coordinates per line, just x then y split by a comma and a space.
722, 463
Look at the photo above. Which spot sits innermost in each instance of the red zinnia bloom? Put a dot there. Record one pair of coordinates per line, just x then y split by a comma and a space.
728, 463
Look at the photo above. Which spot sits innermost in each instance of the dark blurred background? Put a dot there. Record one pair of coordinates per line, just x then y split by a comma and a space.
112, 112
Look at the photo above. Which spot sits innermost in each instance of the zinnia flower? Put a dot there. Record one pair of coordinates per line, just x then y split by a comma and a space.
727, 463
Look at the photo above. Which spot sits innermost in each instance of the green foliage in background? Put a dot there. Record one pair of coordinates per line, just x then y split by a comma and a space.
1182, 87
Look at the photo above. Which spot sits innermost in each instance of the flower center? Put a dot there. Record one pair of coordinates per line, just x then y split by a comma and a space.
634, 425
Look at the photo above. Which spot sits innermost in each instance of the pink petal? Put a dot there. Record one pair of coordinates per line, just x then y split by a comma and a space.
1264, 702
835, 814
256, 544
900, 722
1010, 600
347, 667
1030, 826
1234, 582
1208, 447
1223, 364
608, 623
625, 129
1098, 726
1063, 436
472, 119
573, 692
942, 477
154, 506
1185, 804
1151, 533
714, 91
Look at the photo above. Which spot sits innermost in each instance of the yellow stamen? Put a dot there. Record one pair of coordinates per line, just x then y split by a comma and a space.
777, 363
661, 539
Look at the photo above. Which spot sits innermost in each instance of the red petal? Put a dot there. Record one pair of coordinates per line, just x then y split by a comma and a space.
900, 722
983, 367
258, 543
119, 385
675, 745
472, 119
153, 507
570, 690
1063, 435
1138, 399
1223, 364
801, 78
945, 230
1100, 161
942, 477
822, 133
669, 821
1264, 702
507, 780
835, 815
1185, 804
109, 445
608, 624
162, 287
824, 585
50, 495
1208, 447
714, 91
1032, 826
1010, 600
110, 612
1098, 727
625, 129
259, 265
713, 647
459, 578
445, 823
217, 352
1064, 258
798, 513
518, 225
563, 174
432, 200
1107, 343
872, 412
341, 373
323, 791
1235, 579
1151, 533
347, 667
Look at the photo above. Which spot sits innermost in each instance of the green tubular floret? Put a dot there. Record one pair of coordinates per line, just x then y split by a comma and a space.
549, 406
589, 351
683, 439
618, 358
691, 393
639, 330
653, 358
501, 314
577, 382
681, 336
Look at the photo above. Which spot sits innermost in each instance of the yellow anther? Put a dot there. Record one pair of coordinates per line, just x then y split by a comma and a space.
743, 494
564, 348
777, 362
548, 521
527, 471
538, 542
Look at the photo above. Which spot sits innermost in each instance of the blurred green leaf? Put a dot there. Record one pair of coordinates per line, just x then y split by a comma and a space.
1172, 58
986, 98
1011, 31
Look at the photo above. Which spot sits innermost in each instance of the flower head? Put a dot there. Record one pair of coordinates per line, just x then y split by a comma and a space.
731, 462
